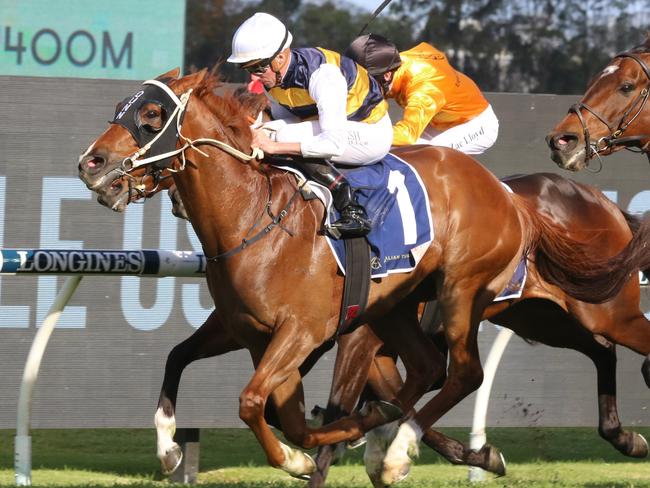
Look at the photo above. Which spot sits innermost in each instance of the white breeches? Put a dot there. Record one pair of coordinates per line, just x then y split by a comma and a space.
473, 137
367, 143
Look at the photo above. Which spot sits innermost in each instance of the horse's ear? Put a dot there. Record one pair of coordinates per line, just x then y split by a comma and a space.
170, 75
195, 79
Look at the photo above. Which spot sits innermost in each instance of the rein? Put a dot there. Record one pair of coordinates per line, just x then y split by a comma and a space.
133, 161
138, 188
614, 139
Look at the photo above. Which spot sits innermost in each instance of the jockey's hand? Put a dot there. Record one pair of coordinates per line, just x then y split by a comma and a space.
261, 140
269, 146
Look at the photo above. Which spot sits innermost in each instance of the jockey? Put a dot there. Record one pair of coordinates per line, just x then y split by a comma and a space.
326, 108
442, 106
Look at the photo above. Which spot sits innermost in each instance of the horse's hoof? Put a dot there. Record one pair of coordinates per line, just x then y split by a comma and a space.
297, 463
358, 443
318, 415
303, 477
495, 462
172, 460
395, 474
639, 446
388, 411
376, 481
645, 370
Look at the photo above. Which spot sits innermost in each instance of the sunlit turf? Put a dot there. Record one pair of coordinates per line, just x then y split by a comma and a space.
231, 458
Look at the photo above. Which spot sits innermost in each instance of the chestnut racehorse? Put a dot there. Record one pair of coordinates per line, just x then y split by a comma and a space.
612, 115
539, 315
264, 293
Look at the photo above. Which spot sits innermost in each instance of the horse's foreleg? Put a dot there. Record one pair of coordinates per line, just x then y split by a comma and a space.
634, 332
553, 327
355, 351
384, 378
278, 363
209, 340
354, 356
422, 360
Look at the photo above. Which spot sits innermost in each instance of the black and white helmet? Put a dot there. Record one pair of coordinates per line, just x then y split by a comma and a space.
375, 53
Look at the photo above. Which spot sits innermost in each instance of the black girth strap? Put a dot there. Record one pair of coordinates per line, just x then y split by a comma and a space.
275, 221
357, 283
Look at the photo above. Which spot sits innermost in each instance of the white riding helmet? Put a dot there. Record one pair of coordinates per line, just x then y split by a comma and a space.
262, 36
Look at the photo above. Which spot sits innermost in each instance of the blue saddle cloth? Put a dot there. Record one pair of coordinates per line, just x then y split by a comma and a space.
397, 204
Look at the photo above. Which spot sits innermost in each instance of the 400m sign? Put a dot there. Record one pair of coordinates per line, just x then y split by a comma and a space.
83, 39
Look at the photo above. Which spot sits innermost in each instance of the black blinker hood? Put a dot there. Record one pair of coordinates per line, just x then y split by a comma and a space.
126, 115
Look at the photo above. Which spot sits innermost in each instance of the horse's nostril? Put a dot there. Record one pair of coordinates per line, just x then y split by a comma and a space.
95, 162
92, 163
563, 142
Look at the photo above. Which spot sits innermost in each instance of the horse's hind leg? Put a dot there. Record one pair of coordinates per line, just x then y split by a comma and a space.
545, 322
628, 443
461, 317
211, 339
603, 355
385, 380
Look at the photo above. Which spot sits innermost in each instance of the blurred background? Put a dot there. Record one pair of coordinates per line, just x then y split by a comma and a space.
526, 46
63, 67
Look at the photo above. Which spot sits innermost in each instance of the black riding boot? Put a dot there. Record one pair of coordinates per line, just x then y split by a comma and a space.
354, 221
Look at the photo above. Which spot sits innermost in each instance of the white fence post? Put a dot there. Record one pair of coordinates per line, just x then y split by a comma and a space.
77, 263
477, 437
23, 444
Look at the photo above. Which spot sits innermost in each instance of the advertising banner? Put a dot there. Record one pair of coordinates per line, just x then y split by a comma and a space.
105, 361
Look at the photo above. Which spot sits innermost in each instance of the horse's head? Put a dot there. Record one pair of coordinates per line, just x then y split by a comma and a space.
146, 128
612, 114
144, 131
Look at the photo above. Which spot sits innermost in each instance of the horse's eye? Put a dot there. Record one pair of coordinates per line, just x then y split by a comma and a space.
150, 117
627, 87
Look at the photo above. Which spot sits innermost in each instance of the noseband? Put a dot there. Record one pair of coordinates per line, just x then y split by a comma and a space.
137, 187
161, 155
616, 130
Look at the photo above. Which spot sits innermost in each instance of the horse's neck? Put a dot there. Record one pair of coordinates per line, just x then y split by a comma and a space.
223, 198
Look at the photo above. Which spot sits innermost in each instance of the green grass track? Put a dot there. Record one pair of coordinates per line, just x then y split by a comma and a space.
231, 458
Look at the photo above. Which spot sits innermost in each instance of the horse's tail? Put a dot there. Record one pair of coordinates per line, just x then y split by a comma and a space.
634, 223
572, 265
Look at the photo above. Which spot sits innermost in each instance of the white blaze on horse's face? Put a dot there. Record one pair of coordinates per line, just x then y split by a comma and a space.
609, 70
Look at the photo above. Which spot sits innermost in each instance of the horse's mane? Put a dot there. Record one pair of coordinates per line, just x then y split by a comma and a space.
643, 48
227, 108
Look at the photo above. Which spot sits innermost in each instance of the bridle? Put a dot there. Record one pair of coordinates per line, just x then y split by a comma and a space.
162, 156
616, 130
138, 188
